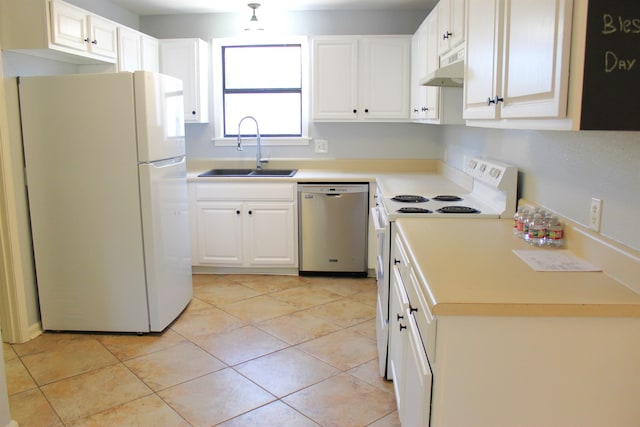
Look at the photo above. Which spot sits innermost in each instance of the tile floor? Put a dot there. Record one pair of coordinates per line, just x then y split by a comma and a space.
248, 351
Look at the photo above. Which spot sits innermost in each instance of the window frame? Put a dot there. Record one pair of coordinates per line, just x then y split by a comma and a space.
217, 45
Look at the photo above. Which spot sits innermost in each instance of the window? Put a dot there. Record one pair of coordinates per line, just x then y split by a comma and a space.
266, 81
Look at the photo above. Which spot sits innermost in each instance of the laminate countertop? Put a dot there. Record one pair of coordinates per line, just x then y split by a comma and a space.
468, 267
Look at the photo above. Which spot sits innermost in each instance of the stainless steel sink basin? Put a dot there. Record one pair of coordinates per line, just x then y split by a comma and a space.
249, 172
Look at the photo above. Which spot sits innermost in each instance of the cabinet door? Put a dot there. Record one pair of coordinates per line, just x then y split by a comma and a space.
150, 59
335, 79
416, 403
386, 71
270, 234
419, 60
483, 58
219, 233
536, 58
104, 37
398, 302
433, 62
451, 32
186, 60
129, 50
69, 26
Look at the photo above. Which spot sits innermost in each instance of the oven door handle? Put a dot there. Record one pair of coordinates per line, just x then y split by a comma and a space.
376, 221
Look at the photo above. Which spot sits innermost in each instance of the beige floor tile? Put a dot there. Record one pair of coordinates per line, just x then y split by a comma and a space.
8, 352
18, 378
222, 293
369, 373
50, 341
342, 400
343, 349
286, 371
345, 312
268, 283
127, 346
146, 411
368, 328
72, 358
94, 392
391, 420
241, 344
273, 414
306, 296
259, 308
205, 321
369, 298
31, 408
174, 365
215, 398
210, 279
298, 327
346, 286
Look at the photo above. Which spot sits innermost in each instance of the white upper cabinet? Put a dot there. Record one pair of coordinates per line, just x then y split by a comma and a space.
136, 51
188, 60
515, 69
58, 30
361, 78
78, 29
419, 58
450, 24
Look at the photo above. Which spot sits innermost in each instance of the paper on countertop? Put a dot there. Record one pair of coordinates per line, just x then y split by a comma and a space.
554, 260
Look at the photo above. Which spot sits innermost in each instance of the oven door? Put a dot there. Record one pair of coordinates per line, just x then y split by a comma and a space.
383, 246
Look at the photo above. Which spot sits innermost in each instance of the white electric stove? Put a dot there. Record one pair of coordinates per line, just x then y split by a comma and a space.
493, 194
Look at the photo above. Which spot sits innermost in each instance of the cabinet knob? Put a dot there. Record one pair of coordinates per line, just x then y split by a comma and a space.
193, 113
366, 110
412, 309
250, 212
415, 110
238, 212
494, 100
396, 261
446, 35
86, 40
402, 327
355, 111
399, 317
95, 42
425, 109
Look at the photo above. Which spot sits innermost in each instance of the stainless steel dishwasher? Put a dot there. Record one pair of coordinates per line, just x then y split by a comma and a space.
333, 223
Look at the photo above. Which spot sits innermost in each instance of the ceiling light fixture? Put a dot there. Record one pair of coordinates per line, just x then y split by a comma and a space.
254, 25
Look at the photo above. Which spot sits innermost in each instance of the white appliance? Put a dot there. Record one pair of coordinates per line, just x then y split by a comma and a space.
106, 179
493, 195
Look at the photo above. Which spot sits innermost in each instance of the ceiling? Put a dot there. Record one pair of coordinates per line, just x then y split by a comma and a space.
170, 7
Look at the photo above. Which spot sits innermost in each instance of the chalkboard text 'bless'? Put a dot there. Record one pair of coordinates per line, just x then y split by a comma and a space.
619, 25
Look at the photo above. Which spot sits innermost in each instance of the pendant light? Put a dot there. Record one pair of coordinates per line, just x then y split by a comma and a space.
254, 25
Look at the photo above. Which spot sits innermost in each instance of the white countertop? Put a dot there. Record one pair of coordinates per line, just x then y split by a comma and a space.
467, 267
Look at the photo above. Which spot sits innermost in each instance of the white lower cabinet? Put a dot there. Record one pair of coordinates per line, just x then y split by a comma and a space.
244, 225
410, 325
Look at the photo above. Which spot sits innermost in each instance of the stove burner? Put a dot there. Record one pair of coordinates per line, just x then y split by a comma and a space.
458, 210
409, 198
448, 198
414, 210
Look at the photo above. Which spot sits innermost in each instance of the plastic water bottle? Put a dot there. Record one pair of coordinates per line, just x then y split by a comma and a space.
555, 233
537, 231
526, 223
517, 221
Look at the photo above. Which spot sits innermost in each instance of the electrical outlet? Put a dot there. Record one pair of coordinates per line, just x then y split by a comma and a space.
595, 214
321, 146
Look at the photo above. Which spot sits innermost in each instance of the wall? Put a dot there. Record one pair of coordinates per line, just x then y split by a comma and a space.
564, 170
346, 140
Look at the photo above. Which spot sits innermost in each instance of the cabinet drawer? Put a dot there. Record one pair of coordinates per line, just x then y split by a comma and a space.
424, 318
241, 191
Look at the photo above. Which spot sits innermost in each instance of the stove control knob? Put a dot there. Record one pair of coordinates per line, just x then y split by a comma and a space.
494, 172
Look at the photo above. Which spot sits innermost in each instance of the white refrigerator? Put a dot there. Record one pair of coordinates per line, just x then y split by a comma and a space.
107, 191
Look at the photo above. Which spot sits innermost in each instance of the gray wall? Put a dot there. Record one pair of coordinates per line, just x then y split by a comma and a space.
564, 170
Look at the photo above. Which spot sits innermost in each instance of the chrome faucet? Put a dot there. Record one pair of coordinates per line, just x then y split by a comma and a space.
259, 159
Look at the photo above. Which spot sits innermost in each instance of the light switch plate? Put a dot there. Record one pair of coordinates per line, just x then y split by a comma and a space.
321, 146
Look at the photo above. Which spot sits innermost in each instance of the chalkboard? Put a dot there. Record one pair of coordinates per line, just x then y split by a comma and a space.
611, 90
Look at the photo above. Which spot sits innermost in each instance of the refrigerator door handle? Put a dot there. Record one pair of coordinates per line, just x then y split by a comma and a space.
166, 162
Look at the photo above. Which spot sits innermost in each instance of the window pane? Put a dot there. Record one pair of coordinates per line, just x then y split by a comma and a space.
276, 113
268, 67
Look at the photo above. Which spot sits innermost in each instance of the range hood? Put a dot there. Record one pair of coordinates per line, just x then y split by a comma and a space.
451, 75
451, 71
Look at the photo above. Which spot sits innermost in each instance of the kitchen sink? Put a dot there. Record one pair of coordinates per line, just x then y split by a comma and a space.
249, 172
